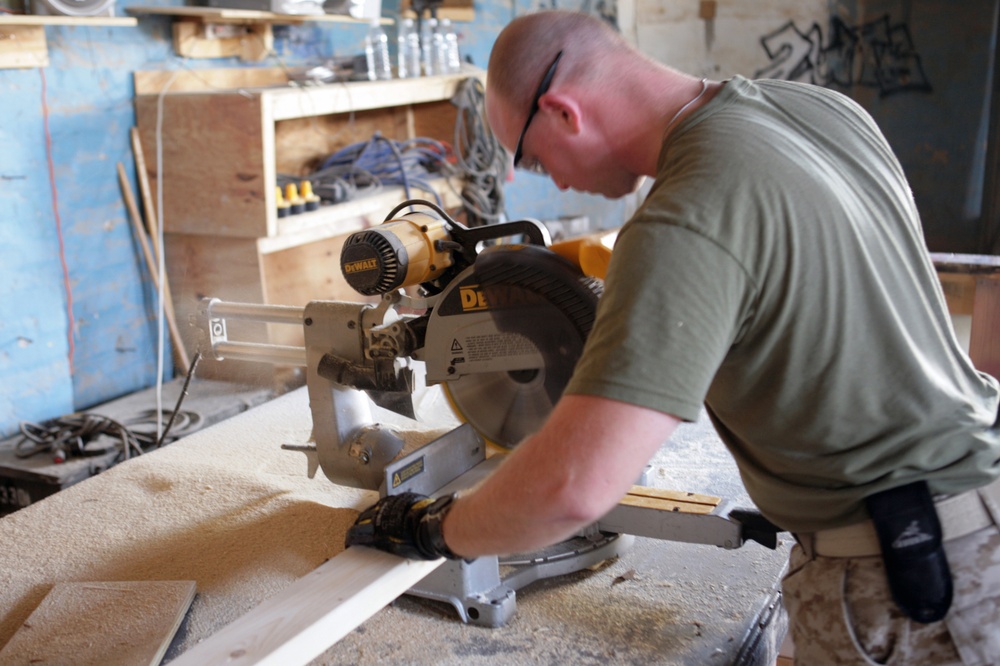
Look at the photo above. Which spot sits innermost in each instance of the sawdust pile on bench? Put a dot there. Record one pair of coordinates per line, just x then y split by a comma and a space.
223, 507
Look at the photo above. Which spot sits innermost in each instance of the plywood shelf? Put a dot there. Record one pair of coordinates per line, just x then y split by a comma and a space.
22, 37
222, 151
223, 15
217, 32
84, 21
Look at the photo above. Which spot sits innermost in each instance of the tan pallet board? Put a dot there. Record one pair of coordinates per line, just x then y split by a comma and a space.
102, 623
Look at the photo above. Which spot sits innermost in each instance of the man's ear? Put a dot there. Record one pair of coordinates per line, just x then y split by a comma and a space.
565, 109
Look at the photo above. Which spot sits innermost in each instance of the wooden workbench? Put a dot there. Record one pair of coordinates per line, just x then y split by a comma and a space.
228, 508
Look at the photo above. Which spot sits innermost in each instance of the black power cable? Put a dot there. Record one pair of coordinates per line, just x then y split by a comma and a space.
76, 435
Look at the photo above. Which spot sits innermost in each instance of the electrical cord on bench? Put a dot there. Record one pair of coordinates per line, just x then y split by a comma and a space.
75, 435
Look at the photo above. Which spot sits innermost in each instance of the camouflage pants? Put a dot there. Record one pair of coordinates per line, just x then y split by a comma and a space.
841, 611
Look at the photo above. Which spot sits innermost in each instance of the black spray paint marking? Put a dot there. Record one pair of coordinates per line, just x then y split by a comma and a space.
876, 54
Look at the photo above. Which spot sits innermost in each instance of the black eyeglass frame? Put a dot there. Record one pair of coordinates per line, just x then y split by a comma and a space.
543, 88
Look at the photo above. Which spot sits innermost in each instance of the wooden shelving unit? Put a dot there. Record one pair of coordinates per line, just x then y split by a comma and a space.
22, 36
215, 32
222, 151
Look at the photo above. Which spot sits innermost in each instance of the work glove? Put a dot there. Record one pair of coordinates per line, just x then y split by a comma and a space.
408, 525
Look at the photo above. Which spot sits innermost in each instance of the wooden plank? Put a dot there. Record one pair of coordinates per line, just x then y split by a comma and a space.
23, 46
984, 341
207, 80
102, 623
674, 495
665, 505
313, 613
362, 95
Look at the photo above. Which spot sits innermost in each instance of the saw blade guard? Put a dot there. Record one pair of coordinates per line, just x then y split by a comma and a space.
506, 336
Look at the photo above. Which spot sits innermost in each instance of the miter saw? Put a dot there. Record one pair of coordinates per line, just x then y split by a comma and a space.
499, 325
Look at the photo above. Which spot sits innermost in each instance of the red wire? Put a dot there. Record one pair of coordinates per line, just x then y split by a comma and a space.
55, 210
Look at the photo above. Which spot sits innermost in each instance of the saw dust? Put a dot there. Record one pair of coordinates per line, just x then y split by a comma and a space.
229, 509
226, 508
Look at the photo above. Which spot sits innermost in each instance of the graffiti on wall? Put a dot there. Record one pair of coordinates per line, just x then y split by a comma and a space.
877, 54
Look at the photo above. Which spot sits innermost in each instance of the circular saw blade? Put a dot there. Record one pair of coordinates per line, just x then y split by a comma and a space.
501, 406
511, 330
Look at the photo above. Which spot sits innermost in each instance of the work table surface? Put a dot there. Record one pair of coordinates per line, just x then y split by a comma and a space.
228, 508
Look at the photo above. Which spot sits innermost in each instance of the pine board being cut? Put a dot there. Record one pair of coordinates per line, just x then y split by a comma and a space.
313, 613
102, 624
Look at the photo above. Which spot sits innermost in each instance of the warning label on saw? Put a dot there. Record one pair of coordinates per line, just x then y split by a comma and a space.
497, 345
408, 472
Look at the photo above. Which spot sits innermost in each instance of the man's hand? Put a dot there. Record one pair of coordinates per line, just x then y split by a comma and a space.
408, 525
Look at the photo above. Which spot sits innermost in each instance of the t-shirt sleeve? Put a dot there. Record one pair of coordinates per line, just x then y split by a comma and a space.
673, 305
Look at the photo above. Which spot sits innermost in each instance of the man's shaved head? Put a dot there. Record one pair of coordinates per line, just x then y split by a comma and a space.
529, 44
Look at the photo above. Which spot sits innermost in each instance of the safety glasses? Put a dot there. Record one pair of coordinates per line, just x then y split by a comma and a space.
543, 87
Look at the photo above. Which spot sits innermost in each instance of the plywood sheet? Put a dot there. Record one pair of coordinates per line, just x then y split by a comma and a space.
102, 623
217, 172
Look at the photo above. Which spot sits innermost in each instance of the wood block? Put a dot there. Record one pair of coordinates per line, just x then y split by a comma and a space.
103, 623
674, 495
665, 505
194, 39
23, 46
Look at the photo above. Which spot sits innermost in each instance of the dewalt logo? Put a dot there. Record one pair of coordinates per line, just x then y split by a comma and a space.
501, 296
473, 298
361, 266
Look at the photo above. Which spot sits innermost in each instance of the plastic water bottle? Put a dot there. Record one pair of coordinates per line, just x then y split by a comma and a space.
440, 48
408, 50
427, 58
377, 53
452, 60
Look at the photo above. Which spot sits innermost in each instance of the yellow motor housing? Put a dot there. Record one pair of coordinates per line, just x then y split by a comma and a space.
404, 251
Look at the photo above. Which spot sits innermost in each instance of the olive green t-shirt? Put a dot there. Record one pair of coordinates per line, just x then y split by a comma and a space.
777, 274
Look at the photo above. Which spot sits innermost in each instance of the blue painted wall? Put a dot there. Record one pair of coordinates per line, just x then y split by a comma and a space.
88, 94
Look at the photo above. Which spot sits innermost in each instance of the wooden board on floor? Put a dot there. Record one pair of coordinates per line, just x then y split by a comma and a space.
102, 623
313, 613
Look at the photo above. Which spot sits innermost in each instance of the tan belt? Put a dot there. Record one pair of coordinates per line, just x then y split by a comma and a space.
960, 515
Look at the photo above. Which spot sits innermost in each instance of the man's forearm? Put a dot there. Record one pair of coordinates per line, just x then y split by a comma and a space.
568, 475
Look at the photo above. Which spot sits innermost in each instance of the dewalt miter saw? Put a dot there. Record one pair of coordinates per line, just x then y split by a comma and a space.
499, 325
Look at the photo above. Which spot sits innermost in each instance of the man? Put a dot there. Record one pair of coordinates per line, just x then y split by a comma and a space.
777, 275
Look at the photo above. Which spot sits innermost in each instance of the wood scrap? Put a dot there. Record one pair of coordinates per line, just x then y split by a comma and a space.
180, 353
102, 624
